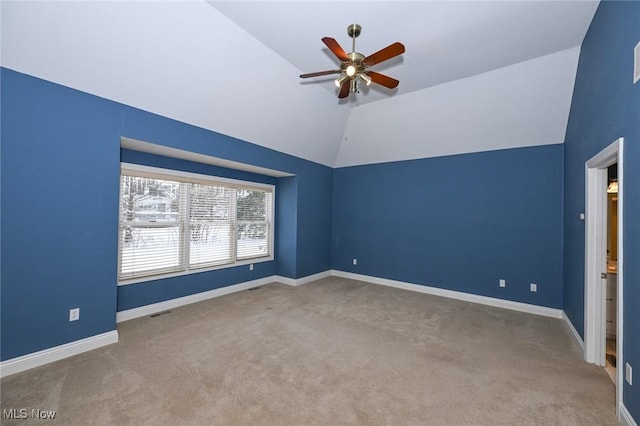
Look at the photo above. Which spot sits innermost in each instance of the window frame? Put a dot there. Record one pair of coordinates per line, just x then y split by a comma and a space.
139, 170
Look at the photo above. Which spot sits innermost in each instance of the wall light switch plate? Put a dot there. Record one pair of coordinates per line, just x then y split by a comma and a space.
251, 266
636, 63
628, 373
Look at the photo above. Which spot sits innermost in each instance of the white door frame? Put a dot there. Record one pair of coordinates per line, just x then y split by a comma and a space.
596, 260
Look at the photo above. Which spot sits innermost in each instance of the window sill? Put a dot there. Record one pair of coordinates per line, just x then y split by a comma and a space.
195, 271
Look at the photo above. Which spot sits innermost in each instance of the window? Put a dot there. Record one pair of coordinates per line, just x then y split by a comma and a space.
173, 222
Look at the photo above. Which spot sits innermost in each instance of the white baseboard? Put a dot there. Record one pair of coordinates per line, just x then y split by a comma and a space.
46, 356
626, 419
574, 332
303, 280
458, 295
36, 359
154, 308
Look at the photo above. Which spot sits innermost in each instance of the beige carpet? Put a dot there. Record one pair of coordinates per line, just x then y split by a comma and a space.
328, 353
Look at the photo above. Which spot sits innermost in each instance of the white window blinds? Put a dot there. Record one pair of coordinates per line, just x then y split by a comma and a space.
152, 219
189, 222
211, 225
253, 227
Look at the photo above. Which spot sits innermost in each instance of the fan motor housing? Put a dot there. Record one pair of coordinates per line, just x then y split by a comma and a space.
355, 60
356, 57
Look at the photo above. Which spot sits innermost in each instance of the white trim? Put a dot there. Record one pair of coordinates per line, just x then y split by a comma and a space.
285, 280
626, 419
304, 280
636, 63
154, 308
157, 277
595, 264
151, 148
596, 248
46, 356
458, 295
620, 281
574, 332
619, 284
595, 260
158, 172
484, 300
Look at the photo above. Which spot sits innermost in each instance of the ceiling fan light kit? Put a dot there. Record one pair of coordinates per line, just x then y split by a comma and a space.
354, 66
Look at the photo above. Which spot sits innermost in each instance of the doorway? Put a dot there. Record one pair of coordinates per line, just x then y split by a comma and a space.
596, 261
612, 272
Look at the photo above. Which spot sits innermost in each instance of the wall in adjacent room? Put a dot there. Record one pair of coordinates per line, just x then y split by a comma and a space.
605, 107
60, 177
458, 222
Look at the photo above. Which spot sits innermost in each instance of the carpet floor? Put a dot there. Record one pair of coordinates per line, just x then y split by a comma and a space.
331, 352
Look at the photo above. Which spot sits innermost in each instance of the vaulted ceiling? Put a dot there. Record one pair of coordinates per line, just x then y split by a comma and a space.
476, 75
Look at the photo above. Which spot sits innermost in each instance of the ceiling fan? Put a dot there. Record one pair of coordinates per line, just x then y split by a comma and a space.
354, 66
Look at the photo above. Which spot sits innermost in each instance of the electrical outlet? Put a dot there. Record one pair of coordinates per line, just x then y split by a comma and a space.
534, 287
74, 314
355, 261
251, 266
503, 283
628, 373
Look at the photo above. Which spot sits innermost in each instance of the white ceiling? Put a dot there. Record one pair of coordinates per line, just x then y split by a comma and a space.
476, 75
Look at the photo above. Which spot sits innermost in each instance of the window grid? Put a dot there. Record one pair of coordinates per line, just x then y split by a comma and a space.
171, 224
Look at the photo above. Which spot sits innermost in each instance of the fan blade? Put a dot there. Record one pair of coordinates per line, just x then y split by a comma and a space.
383, 80
344, 89
333, 45
388, 52
319, 73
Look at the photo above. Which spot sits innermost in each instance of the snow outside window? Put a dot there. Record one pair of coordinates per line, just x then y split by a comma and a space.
180, 222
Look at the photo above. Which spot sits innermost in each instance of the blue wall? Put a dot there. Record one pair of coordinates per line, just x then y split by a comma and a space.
458, 222
606, 106
60, 179
287, 225
60, 175
314, 222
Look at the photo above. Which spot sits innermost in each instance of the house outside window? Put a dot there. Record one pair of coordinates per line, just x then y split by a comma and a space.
175, 222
